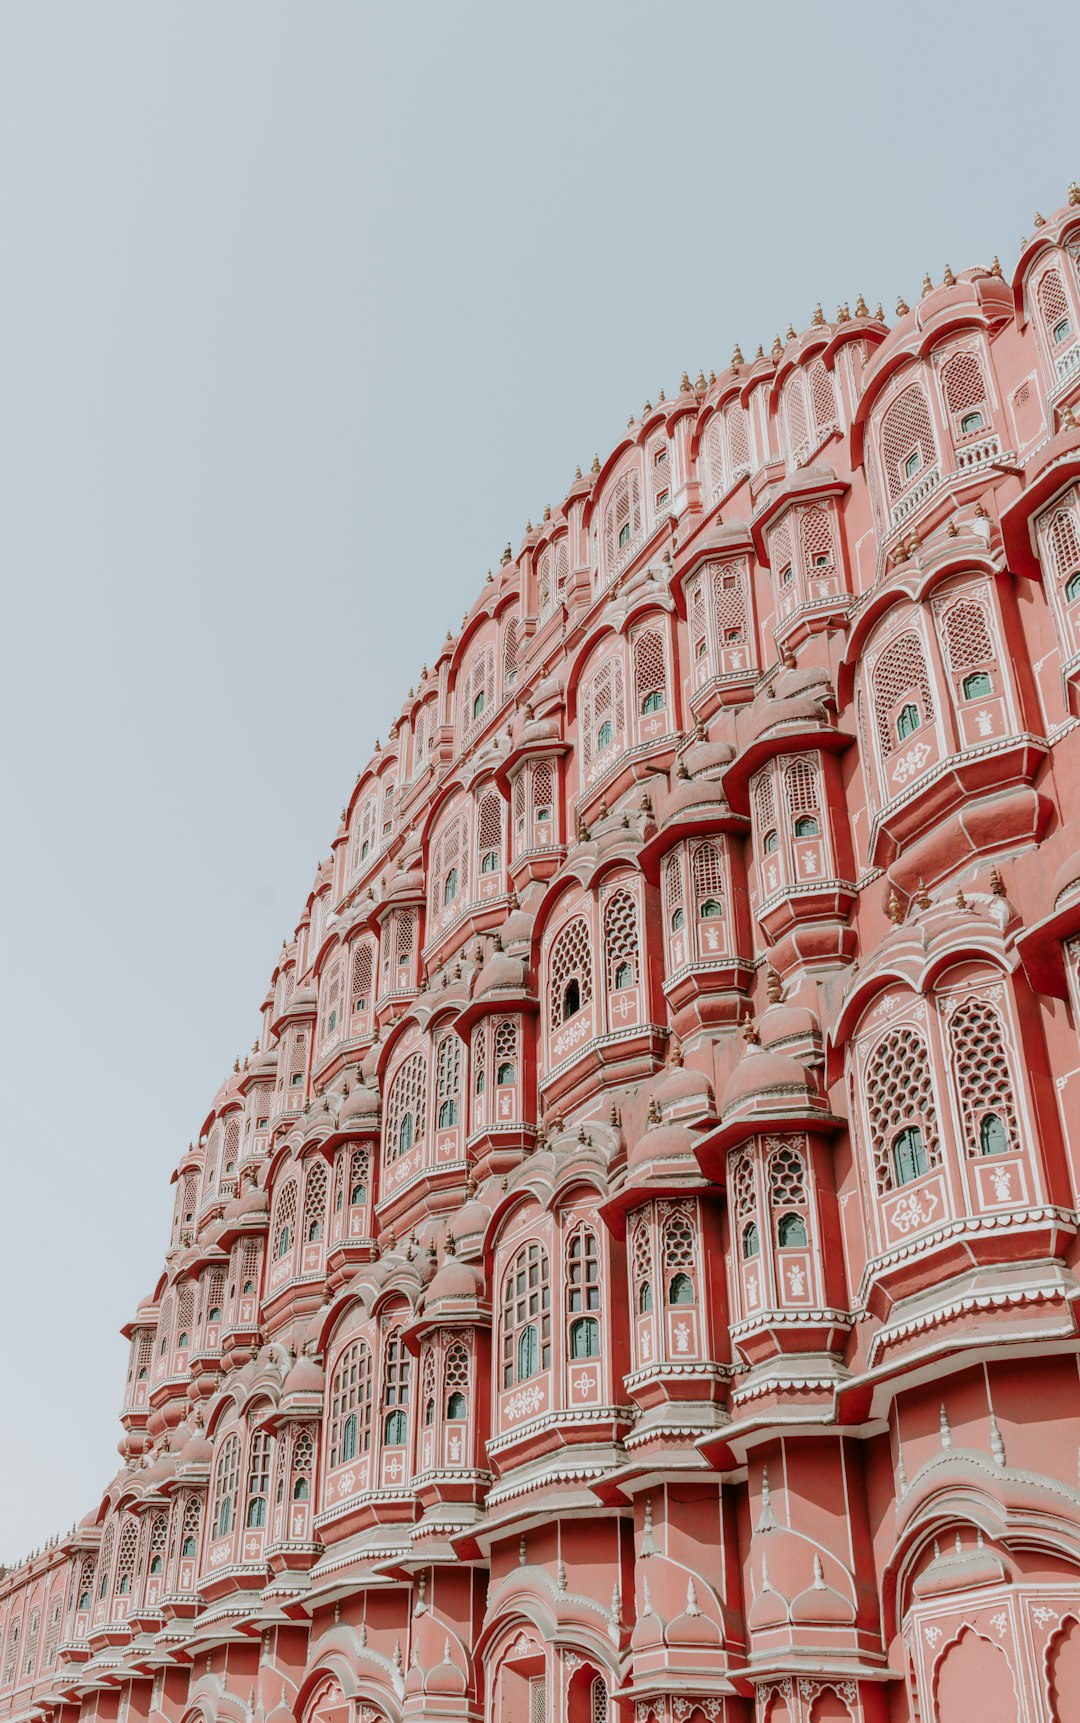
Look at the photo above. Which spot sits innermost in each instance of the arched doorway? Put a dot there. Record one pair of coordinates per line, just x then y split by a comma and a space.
1063, 1669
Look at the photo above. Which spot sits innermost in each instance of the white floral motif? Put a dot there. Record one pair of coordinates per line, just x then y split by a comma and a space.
999, 1623
346, 1484
1001, 1179
1044, 1616
911, 763
914, 1210
932, 1634
524, 1402
985, 722
682, 1337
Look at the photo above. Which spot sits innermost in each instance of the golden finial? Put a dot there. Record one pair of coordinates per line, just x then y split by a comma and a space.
699, 380
684, 384
760, 354
787, 657
902, 307
927, 286
630, 422
528, 528
790, 332
1068, 418
750, 1034
507, 556
860, 307
736, 357
547, 511
577, 474
773, 987
880, 312
1040, 220
922, 896
893, 910
647, 408
949, 278
953, 530
712, 377
914, 542
661, 398
818, 318
1074, 194
961, 900
595, 468
995, 267
777, 347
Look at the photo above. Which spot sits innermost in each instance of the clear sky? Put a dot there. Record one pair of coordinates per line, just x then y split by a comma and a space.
304, 310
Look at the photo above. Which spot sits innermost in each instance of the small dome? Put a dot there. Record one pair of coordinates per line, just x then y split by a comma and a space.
780, 1024
361, 1105
768, 1609
662, 1144
253, 1200
305, 1377
471, 1220
772, 713
455, 1280
763, 1079
692, 1627
1066, 881
517, 929
501, 974
683, 1090
822, 1603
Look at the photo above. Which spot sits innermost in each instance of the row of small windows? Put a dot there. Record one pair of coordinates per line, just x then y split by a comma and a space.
909, 1153
790, 1234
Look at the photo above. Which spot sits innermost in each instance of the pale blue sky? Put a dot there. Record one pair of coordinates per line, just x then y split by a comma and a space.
304, 309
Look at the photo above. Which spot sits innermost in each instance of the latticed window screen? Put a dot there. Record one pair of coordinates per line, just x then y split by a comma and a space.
598, 1708
641, 1259
510, 653
650, 678
32, 1642
762, 797
981, 1068
731, 612
906, 430
715, 457
963, 384
52, 1637
226, 1480
478, 1056
315, 1190
406, 1101
603, 711
489, 831
543, 786
1052, 300
900, 1094
302, 1463
448, 1079
707, 873
190, 1527
363, 976
742, 1187
333, 987
538, 1700
359, 1165
477, 692
699, 636
677, 1240
456, 1374
562, 568
298, 1060
621, 942
545, 583
1064, 542
185, 1315
507, 1049
673, 890
582, 1271
570, 960
249, 1266
794, 409
213, 1295
900, 670
526, 1305
966, 634
350, 1396
164, 1328
822, 399
231, 1146
801, 787
12, 1652
659, 459
396, 1368
283, 1230
403, 936
738, 438
787, 1178
450, 867
780, 553
105, 1564
387, 824
622, 521
87, 1570
125, 1557
816, 541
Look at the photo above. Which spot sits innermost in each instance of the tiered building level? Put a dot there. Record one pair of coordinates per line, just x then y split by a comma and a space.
633, 1276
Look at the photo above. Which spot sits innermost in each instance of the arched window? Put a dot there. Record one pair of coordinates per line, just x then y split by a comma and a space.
981, 1070
901, 1105
405, 1107
1054, 308
907, 721
790, 1230
526, 1315
653, 702
489, 833
751, 1240
602, 712
258, 1481
190, 1527
315, 1193
397, 1365
585, 1338
678, 1250
770, 842
448, 1052
681, 1290
909, 1155
678, 920
456, 1381
285, 1218
350, 1404
650, 677
964, 388
977, 685
226, 1480
583, 1271
450, 886
806, 826
604, 735
901, 691
907, 440
569, 972
644, 1297
622, 517
621, 942
457, 1406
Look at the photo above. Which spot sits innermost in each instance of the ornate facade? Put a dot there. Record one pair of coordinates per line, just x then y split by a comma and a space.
633, 1274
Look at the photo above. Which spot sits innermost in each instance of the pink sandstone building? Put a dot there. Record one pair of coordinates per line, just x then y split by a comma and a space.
633, 1276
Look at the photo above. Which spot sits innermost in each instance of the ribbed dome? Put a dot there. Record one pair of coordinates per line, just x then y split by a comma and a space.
361, 1105
455, 1280
822, 1603
305, 1377
501, 974
662, 1143
765, 1078
780, 1024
